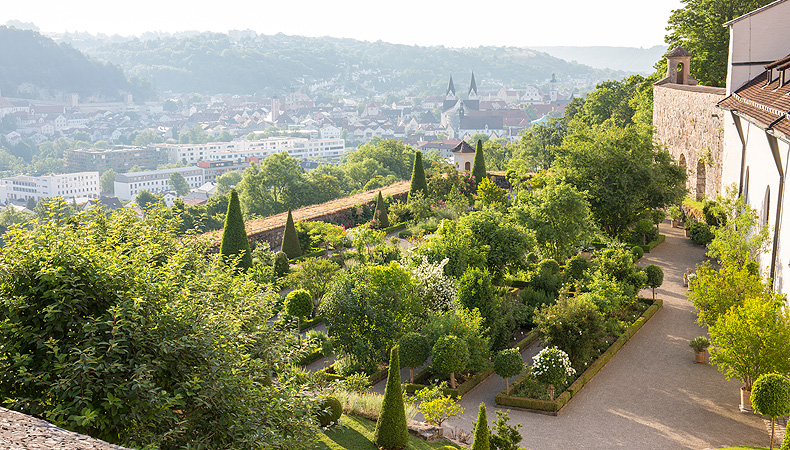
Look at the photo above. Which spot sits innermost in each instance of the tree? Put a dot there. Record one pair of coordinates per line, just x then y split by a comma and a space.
290, 244
504, 436
538, 143
418, 181
482, 433
697, 27
234, 236
771, 397
392, 433
468, 326
179, 184
298, 303
752, 339
380, 219
479, 163
552, 366
436, 407
147, 200
450, 355
574, 325
313, 275
227, 181
717, 289
281, 172
255, 196
489, 195
415, 351
10, 216
655, 277
224, 136
560, 216
508, 363
107, 182
503, 242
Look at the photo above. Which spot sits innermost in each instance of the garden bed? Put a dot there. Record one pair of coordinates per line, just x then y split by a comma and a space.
554, 407
465, 382
651, 245
374, 378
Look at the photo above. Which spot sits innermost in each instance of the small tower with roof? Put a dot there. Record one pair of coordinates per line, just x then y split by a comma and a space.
679, 66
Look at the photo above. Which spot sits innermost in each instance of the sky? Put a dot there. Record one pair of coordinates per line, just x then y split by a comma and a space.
461, 23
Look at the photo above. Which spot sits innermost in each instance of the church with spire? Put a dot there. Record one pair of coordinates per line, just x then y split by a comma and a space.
452, 100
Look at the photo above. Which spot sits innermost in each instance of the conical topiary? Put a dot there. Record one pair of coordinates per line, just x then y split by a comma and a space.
479, 164
391, 429
482, 432
418, 182
380, 219
234, 236
290, 244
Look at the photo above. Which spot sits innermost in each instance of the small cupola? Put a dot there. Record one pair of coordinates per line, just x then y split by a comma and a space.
678, 67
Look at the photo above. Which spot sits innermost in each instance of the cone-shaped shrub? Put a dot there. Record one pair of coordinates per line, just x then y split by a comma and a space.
380, 219
391, 429
290, 244
234, 236
482, 432
479, 164
418, 182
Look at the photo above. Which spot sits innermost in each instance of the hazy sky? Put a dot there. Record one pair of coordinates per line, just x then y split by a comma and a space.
461, 23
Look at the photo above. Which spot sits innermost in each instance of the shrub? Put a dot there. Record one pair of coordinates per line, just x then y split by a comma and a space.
637, 251
771, 397
391, 430
699, 343
468, 326
436, 407
290, 244
655, 277
552, 366
479, 163
399, 212
418, 181
714, 213
482, 438
576, 266
281, 264
450, 355
574, 325
234, 236
700, 233
657, 216
532, 257
329, 410
380, 219
785, 442
298, 303
475, 290
415, 351
508, 364
505, 436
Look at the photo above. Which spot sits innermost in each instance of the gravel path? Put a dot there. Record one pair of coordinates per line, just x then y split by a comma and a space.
651, 395
19, 431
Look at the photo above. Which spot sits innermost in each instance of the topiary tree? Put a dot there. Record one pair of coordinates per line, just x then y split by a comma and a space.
329, 410
298, 303
479, 163
655, 277
290, 243
391, 429
482, 433
280, 264
380, 219
657, 216
771, 396
507, 364
418, 181
450, 355
637, 251
551, 366
234, 236
415, 351
643, 227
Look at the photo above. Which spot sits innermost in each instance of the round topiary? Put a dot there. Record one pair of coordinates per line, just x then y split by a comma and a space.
508, 364
575, 267
329, 410
450, 355
549, 266
415, 350
532, 257
771, 396
281, 264
637, 251
298, 303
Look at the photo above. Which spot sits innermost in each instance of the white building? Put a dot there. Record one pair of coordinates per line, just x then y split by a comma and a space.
80, 185
128, 185
296, 147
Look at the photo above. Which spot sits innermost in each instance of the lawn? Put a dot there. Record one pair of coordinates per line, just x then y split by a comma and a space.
356, 433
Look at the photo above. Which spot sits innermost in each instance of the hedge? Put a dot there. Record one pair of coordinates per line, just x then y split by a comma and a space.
651, 245
396, 227
312, 254
310, 323
528, 339
554, 407
458, 392
329, 372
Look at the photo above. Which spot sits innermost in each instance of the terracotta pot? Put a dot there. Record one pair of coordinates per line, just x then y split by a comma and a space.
746, 400
688, 233
586, 255
700, 357
675, 223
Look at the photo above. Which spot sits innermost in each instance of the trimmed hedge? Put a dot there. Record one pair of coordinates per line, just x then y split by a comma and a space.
310, 323
396, 227
313, 254
554, 407
528, 339
458, 392
329, 372
651, 245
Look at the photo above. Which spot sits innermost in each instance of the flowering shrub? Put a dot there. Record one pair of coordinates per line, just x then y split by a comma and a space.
436, 290
552, 366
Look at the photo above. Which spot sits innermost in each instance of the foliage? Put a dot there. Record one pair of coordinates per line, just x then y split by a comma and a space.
111, 319
391, 430
655, 277
107, 182
298, 303
146, 200
475, 291
489, 195
575, 267
416, 351
674, 212
479, 164
329, 410
436, 291
380, 219
699, 343
538, 144
280, 264
290, 244
505, 436
481, 432
742, 237
450, 355
700, 233
367, 309
228, 181
638, 252
455, 242
552, 366
503, 242
179, 184
234, 236
623, 172
508, 364
771, 397
468, 326
752, 339
313, 275
10, 216
716, 290
574, 325
435, 407
418, 181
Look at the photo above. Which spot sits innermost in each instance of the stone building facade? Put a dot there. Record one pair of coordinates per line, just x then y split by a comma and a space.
689, 124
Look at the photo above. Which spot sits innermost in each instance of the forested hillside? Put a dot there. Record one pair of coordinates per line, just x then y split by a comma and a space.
640, 60
34, 66
213, 63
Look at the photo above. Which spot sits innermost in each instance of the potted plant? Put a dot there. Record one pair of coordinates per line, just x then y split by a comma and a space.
674, 213
700, 345
687, 276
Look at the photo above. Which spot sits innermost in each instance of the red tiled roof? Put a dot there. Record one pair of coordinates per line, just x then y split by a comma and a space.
766, 104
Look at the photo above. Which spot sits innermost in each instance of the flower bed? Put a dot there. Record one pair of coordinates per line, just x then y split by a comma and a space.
554, 407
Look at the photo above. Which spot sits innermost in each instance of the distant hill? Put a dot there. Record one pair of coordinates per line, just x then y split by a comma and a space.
216, 63
630, 59
34, 66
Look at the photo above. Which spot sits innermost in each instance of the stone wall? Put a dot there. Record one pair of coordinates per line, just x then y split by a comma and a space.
20, 431
688, 123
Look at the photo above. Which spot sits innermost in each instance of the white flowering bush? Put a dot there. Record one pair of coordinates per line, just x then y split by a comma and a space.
553, 367
436, 290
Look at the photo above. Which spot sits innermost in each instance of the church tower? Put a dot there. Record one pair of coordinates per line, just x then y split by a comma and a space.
450, 98
473, 102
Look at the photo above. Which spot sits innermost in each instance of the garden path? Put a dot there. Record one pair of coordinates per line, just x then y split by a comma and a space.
651, 395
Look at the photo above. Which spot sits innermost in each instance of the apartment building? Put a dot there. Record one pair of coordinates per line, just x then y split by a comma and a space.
128, 185
68, 185
118, 158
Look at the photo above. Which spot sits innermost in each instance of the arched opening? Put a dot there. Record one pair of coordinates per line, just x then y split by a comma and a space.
467, 166
682, 161
700, 180
766, 213
680, 79
745, 189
